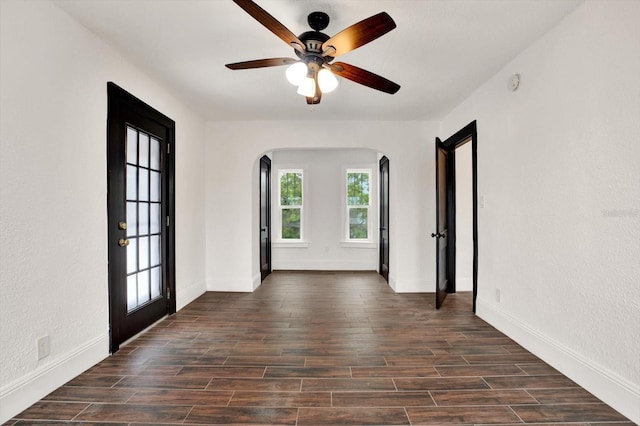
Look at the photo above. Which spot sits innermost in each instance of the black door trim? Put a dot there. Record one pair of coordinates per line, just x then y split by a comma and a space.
383, 252
265, 161
461, 137
119, 101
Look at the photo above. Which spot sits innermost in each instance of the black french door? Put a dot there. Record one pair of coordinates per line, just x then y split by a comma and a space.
140, 213
383, 266
265, 217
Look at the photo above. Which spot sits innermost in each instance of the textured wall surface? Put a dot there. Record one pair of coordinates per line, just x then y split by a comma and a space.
53, 188
558, 162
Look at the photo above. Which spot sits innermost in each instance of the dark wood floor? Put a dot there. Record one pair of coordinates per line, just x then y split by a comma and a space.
321, 348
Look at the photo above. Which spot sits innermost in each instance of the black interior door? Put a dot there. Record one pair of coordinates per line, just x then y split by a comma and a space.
441, 234
265, 217
384, 218
140, 212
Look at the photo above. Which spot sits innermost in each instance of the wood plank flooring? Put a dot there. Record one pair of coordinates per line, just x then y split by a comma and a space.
321, 348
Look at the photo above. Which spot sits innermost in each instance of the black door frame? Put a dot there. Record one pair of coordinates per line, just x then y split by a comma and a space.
119, 102
267, 162
384, 212
461, 137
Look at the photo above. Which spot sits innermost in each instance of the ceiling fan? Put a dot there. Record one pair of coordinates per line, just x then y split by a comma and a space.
313, 72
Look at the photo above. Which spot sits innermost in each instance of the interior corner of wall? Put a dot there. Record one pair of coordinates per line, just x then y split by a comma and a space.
187, 295
392, 283
257, 280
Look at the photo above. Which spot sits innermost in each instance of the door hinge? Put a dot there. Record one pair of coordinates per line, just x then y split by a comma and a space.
168, 221
168, 148
168, 294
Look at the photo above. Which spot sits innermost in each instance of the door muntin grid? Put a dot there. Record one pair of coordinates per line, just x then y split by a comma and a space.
144, 218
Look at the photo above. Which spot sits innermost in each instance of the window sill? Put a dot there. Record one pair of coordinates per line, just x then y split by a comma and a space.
358, 244
290, 244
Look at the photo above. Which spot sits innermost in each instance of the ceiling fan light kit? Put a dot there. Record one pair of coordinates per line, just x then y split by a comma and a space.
313, 72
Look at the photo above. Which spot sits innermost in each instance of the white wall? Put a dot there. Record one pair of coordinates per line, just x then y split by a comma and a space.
53, 192
464, 218
325, 212
233, 151
559, 164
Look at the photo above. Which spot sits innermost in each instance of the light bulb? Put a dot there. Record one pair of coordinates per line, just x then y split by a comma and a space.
327, 81
296, 73
307, 87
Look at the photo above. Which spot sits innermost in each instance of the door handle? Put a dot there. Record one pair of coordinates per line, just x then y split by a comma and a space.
123, 242
438, 235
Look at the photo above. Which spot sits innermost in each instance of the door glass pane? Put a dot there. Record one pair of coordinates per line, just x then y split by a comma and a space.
143, 187
143, 218
155, 218
155, 186
155, 154
155, 250
143, 287
132, 256
143, 252
132, 292
132, 146
156, 282
132, 182
132, 219
144, 149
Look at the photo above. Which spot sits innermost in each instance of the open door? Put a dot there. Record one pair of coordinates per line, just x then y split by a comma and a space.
445, 234
265, 217
384, 218
442, 257
140, 215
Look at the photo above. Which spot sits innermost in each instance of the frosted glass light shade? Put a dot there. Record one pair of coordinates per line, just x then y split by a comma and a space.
327, 81
307, 87
296, 73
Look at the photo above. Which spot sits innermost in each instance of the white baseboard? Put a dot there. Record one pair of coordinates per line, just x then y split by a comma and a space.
22, 393
614, 390
392, 283
464, 284
257, 280
330, 265
414, 286
187, 295
231, 285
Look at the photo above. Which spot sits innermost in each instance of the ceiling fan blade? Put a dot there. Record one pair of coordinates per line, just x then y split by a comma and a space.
271, 23
261, 63
359, 34
364, 77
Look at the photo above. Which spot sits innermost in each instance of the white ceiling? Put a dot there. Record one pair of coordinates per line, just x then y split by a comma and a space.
440, 52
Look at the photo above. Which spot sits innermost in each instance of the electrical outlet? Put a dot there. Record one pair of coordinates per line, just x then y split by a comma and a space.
44, 347
498, 296
483, 201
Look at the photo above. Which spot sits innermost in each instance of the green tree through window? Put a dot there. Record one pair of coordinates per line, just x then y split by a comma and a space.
291, 204
358, 204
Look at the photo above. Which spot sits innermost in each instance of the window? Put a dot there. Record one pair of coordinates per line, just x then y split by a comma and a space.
290, 201
358, 218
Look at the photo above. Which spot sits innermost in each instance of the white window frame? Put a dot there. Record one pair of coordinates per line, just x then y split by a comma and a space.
290, 242
370, 238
